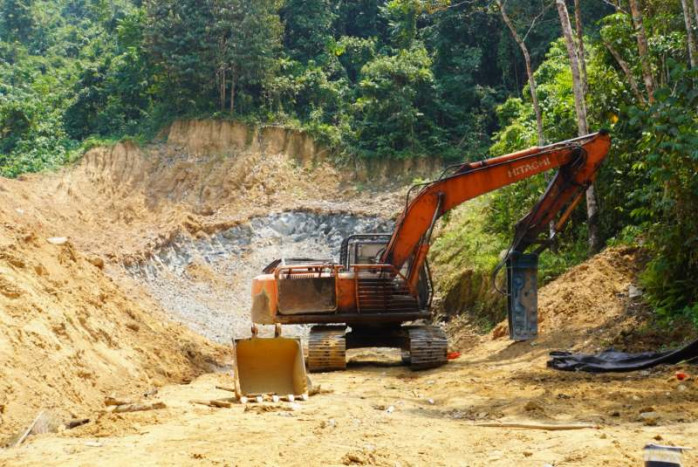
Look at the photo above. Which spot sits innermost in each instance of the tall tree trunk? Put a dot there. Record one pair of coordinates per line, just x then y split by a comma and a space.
689, 32
580, 46
233, 83
222, 86
628, 73
643, 49
582, 125
593, 219
577, 85
529, 71
695, 10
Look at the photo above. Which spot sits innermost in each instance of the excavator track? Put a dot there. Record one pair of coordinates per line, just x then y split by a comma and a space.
428, 347
327, 349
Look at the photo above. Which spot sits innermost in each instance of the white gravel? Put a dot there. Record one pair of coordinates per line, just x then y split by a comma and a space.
216, 302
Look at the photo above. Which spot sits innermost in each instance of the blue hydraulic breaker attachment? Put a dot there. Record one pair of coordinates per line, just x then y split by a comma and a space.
522, 288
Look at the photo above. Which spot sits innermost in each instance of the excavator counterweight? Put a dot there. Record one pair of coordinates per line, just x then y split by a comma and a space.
382, 281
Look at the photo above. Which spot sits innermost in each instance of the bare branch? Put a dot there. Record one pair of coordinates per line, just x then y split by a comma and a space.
529, 71
616, 6
443, 7
643, 49
628, 73
582, 123
580, 46
688, 21
540, 15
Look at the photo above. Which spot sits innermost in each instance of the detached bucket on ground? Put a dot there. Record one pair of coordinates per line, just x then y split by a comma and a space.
269, 366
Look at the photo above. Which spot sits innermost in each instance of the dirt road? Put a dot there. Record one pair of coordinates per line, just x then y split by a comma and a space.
387, 415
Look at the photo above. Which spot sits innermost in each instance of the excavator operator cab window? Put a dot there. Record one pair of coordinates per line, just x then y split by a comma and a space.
362, 249
367, 252
367, 249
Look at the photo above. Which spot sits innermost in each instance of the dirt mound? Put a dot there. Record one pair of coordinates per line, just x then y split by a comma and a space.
589, 306
592, 294
69, 336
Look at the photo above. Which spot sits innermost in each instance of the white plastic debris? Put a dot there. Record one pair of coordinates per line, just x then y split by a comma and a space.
57, 240
634, 292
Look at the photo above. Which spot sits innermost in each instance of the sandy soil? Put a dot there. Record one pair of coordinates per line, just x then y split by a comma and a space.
387, 415
69, 335
124, 202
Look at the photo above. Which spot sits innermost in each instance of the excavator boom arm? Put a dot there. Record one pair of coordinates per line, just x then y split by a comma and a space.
577, 160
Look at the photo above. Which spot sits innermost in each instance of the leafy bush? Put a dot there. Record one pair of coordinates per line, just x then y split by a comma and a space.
667, 156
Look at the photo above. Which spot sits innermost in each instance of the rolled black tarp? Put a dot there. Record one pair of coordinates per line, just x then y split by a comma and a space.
613, 361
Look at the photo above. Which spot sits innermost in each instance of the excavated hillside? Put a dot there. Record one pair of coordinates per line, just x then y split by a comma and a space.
124, 202
69, 335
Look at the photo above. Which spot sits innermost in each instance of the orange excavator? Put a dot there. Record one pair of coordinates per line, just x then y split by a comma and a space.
382, 281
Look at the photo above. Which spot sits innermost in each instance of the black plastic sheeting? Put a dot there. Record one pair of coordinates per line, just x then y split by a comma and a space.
612, 361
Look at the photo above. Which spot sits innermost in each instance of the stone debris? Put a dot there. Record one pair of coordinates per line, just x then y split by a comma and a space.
199, 281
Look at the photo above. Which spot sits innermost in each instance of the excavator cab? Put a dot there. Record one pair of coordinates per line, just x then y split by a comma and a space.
368, 248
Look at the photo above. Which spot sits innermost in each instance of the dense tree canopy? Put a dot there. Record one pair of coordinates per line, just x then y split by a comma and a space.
381, 78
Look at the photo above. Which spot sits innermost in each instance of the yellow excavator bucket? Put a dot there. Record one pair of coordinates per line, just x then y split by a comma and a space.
269, 366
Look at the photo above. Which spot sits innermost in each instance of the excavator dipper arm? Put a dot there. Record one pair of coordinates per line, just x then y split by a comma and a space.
577, 160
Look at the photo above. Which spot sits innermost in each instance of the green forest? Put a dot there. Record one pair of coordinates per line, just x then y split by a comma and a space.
458, 80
